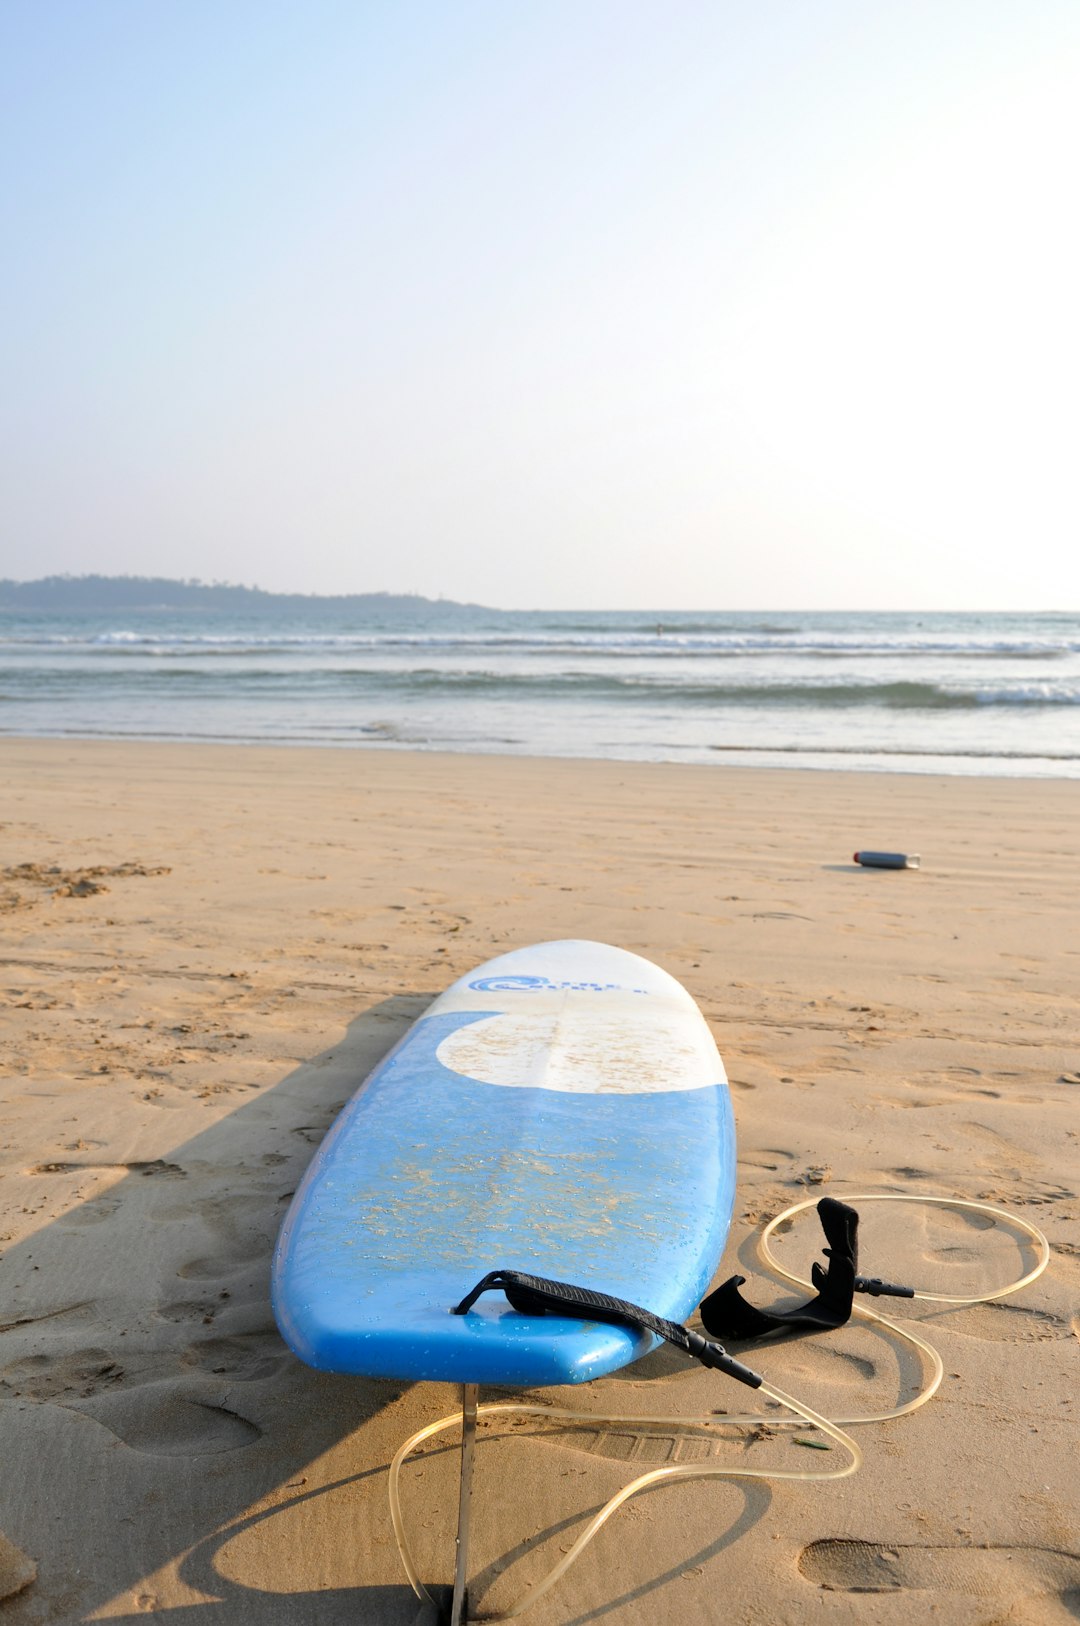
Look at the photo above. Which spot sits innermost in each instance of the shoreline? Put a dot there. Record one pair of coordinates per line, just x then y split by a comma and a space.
206, 949
384, 748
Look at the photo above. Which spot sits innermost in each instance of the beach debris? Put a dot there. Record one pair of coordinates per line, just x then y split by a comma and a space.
28, 883
875, 860
81, 887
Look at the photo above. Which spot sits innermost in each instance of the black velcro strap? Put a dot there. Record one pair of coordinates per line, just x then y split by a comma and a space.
539, 1295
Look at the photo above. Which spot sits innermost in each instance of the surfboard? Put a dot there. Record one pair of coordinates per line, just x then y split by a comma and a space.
562, 1110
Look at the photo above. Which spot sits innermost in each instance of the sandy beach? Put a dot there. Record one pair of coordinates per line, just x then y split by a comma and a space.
204, 951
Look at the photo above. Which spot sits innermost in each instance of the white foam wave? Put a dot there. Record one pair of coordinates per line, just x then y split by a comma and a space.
554, 643
1028, 694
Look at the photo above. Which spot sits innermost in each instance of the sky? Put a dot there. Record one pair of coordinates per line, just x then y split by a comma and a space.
582, 303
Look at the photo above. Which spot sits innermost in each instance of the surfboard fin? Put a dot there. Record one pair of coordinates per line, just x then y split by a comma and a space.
726, 1314
539, 1295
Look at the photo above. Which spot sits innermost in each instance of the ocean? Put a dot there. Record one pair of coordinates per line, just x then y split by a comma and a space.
931, 693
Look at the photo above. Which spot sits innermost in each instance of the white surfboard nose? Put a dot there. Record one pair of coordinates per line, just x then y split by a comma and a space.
569, 965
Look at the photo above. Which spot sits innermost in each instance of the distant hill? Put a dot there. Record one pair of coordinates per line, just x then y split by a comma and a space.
107, 593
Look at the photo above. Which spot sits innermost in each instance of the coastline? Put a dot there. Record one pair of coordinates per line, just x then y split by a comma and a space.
958, 764
207, 948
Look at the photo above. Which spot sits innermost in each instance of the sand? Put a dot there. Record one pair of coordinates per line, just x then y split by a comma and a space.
205, 949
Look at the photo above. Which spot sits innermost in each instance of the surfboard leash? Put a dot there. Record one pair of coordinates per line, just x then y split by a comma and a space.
540, 1295
831, 1307
725, 1313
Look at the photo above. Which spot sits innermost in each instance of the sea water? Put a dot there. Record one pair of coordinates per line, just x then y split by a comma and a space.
942, 693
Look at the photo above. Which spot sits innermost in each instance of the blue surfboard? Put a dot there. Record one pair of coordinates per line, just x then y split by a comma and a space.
562, 1110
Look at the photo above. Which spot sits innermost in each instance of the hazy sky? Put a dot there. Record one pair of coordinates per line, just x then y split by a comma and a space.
768, 304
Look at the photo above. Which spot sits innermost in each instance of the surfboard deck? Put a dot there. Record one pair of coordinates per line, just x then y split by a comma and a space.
561, 1110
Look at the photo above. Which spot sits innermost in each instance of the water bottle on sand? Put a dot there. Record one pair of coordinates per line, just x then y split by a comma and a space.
888, 860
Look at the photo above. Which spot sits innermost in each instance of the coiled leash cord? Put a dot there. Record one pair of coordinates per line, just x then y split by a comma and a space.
832, 1307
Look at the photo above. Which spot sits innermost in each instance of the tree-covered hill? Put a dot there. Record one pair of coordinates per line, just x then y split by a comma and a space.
106, 593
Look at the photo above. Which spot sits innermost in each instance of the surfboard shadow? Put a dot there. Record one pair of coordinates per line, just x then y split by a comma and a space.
172, 1429
165, 1407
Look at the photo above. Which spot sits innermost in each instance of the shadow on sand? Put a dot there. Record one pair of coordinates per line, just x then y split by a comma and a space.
150, 1415
163, 1450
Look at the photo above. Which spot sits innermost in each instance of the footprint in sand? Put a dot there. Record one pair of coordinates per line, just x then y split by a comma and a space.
247, 1357
1007, 1324
767, 1160
156, 1167
1007, 1574
162, 1420
205, 1270
244, 1226
91, 1212
65, 1378
214, 1268
644, 1448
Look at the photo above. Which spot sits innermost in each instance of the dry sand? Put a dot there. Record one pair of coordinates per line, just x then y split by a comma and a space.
204, 951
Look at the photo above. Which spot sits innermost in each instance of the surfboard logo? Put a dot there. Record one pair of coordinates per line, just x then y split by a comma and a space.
509, 985
521, 985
